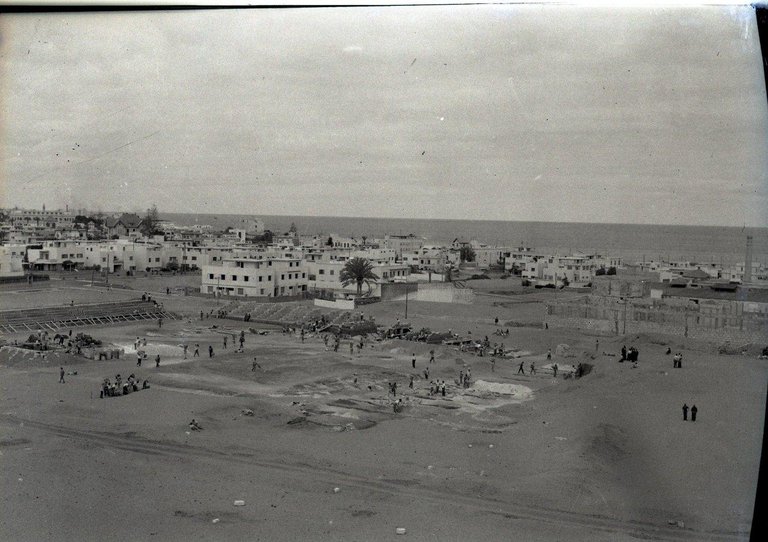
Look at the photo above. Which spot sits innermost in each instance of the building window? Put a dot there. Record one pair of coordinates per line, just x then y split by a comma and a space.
260, 277
245, 278
223, 277
322, 272
303, 275
269, 277
261, 291
239, 291
282, 277
234, 277
332, 271
210, 276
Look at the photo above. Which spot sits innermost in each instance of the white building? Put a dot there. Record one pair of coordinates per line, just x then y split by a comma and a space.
575, 270
325, 274
255, 277
12, 260
402, 243
26, 219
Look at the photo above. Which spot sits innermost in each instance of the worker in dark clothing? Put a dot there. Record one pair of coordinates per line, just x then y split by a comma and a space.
623, 353
694, 410
520, 369
685, 412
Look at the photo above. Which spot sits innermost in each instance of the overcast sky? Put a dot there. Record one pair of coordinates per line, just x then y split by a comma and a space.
475, 112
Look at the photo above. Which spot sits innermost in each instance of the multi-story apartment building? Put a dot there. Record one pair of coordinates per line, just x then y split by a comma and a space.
402, 243
255, 277
27, 219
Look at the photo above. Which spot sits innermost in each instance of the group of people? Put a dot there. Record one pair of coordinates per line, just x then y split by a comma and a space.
120, 387
629, 355
677, 361
694, 410
141, 355
502, 332
465, 379
437, 387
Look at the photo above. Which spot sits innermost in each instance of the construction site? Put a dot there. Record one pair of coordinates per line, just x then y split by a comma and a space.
473, 417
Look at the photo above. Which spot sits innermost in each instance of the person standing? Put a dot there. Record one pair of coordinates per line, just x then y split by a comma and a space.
597, 345
185, 350
533, 368
520, 369
554, 369
623, 353
61, 375
413, 361
493, 365
138, 359
225, 342
196, 353
694, 410
210, 350
431, 356
685, 412
410, 384
157, 360
549, 354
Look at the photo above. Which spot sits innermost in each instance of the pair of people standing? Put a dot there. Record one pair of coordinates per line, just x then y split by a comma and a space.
693, 409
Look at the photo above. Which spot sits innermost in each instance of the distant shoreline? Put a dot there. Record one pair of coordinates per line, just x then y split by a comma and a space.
692, 243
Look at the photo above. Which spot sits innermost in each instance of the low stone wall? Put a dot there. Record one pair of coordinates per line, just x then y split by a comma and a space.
396, 290
708, 320
444, 292
341, 304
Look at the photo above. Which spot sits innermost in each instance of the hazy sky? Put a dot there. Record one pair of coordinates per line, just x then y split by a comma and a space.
492, 112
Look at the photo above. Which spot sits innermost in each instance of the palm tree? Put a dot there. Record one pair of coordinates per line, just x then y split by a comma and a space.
358, 270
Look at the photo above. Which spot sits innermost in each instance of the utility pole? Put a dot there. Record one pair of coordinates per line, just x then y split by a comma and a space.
406, 297
624, 331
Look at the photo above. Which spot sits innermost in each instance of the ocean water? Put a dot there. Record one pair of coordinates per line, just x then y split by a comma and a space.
634, 242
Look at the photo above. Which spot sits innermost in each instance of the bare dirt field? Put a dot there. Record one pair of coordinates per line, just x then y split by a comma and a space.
325, 456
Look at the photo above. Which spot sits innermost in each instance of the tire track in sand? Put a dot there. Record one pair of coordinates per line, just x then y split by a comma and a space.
506, 509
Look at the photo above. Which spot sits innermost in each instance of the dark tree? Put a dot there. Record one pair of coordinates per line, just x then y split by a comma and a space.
150, 221
359, 271
467, 254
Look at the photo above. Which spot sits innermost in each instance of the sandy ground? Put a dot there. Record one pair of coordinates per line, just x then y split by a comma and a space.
606, 457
